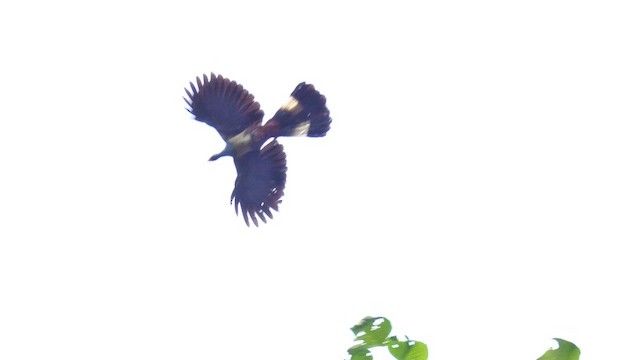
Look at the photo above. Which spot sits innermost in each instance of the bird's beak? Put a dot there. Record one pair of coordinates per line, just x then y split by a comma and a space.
228, 151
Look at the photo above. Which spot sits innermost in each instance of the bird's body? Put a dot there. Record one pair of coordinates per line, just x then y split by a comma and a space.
261, 168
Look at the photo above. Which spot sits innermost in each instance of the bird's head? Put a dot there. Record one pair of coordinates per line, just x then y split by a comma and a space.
227, 151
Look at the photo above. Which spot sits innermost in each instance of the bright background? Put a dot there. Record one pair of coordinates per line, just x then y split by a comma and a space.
479, 185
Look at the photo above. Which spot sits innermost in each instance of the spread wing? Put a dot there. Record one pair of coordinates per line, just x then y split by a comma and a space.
223, 104
260, 182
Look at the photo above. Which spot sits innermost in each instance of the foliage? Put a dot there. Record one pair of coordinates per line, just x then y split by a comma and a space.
565, 351
373, 332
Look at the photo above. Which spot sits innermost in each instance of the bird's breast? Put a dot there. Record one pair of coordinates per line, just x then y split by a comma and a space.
241, 143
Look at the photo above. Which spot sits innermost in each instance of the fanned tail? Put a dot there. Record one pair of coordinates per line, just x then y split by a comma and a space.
305, 114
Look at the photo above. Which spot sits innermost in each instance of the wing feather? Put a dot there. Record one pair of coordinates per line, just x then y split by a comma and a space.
223, 104
260, 182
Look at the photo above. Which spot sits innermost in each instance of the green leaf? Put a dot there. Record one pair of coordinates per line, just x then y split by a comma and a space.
407, 350
565, 351
361, 355
370, 332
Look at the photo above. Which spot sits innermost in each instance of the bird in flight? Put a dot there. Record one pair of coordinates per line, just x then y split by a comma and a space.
261, 169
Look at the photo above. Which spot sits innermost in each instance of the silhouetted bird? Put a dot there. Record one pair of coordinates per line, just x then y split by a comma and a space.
262, 169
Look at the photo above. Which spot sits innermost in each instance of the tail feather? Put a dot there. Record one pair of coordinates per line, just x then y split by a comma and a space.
305, 114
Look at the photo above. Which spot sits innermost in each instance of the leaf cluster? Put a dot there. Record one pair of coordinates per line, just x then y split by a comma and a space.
373, 332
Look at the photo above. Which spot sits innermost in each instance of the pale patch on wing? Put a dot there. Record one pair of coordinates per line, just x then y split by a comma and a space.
302, 129
292, 106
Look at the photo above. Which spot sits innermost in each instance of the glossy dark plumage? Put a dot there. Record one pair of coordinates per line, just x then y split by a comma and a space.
261, 169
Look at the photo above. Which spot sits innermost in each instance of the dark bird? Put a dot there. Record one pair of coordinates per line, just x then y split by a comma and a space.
262, 169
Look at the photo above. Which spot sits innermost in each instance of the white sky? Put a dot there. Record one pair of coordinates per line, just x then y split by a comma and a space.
479, 185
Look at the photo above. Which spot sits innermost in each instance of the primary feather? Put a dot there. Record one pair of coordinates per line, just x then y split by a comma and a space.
223, 104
